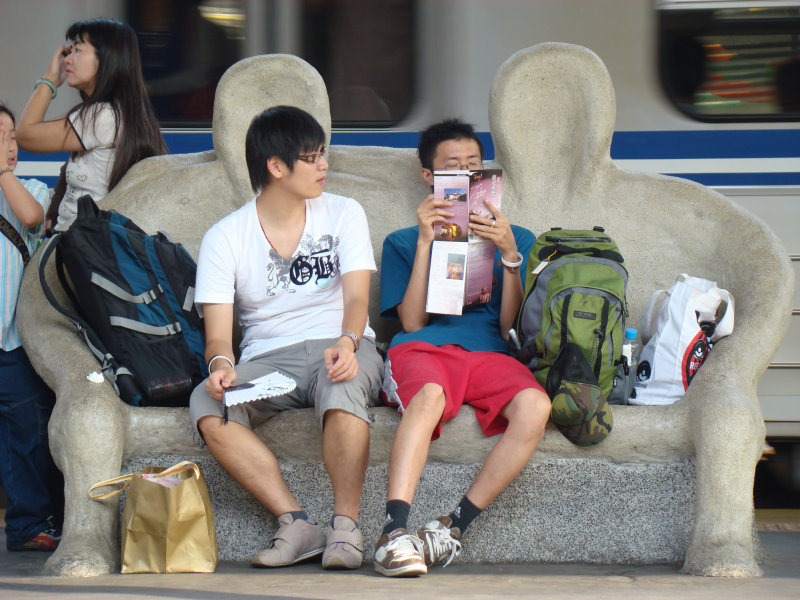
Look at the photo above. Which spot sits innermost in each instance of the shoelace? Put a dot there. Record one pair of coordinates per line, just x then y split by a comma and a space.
52, 530
405, 546
441, 544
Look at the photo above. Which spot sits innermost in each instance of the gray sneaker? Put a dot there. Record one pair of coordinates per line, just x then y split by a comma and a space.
399, 554
441, 541
295, 541
345, 549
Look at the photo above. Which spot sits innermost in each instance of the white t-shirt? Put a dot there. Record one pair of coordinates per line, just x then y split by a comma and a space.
285, 301
89, 171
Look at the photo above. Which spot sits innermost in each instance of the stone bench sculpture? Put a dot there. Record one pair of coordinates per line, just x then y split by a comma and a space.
671, 484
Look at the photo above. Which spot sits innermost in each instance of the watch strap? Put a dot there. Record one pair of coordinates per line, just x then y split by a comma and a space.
354, 337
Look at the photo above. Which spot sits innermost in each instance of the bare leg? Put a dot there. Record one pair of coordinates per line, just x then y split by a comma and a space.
527, 414
412, 441
249, 461
345, 449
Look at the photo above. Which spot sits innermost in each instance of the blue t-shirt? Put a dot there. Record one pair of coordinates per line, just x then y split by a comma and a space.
477, 329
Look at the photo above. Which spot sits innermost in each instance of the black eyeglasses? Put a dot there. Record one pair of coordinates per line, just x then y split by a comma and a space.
314, 157
473, 165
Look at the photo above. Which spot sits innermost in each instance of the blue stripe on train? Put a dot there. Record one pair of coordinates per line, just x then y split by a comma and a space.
642, 145
710, 179
755, 143
625, 145
742, 179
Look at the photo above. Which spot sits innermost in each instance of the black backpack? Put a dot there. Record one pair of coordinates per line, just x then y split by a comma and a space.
134, 294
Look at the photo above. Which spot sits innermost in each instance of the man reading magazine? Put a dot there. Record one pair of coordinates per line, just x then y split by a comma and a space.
439, 362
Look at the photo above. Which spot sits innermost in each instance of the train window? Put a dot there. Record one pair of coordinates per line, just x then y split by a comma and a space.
362, 48
726, 61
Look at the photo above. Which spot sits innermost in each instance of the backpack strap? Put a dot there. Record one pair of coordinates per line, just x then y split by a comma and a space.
49, 246
113, 289
120, 377
13, 235
133, 325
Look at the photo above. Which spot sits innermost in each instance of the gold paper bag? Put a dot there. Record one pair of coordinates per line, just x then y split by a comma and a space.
167, 522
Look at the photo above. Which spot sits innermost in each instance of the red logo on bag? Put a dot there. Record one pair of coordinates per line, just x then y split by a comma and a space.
695, 355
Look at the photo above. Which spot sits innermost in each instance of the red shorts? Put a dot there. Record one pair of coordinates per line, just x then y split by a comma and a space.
487, 381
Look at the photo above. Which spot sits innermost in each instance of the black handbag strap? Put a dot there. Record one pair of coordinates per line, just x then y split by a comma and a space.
12, 234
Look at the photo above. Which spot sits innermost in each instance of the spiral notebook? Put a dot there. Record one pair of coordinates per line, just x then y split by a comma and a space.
268, 386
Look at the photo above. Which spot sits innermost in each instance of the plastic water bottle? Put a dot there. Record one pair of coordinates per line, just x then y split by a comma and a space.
630, 348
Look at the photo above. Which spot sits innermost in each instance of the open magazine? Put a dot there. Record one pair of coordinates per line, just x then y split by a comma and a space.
461, 262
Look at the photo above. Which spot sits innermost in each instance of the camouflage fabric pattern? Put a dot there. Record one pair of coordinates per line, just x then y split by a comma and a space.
581, 413
580, 410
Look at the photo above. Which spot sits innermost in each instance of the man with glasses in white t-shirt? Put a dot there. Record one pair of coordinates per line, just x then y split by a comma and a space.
296, 263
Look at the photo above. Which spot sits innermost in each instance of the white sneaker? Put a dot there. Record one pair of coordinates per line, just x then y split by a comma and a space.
399, 554
441, 542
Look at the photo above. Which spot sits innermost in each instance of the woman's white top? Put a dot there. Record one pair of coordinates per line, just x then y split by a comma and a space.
88, 171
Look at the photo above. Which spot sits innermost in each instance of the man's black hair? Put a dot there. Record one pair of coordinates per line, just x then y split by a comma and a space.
282, 131
449, 129
5, 109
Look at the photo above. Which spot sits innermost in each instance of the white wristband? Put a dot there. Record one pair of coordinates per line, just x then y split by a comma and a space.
512, 265
213, 358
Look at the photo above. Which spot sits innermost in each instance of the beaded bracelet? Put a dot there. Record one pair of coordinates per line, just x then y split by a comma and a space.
48, 83
5, 170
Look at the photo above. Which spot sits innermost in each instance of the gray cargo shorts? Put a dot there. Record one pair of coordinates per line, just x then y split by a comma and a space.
304, 363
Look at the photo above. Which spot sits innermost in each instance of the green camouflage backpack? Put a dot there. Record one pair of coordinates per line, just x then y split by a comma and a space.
574, 292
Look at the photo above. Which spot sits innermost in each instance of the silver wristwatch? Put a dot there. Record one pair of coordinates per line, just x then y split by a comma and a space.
354, 337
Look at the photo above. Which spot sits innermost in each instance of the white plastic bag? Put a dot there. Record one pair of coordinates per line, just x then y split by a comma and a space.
682, 324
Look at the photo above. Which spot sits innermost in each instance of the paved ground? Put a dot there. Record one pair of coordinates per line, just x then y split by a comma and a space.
21, 579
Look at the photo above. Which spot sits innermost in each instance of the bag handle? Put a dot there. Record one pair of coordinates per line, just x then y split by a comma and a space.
185, 465
560, 249
723, 304
180, 467
114, 481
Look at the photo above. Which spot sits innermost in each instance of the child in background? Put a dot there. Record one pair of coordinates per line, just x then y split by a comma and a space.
32, 483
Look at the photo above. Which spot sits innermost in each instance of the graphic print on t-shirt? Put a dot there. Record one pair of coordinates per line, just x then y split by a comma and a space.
314, 262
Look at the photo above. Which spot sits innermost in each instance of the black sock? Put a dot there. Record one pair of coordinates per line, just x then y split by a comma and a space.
396, 515
299, 514
464, 514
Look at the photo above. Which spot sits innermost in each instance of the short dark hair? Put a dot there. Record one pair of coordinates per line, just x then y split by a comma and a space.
449, 129
5, 109
282, 131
